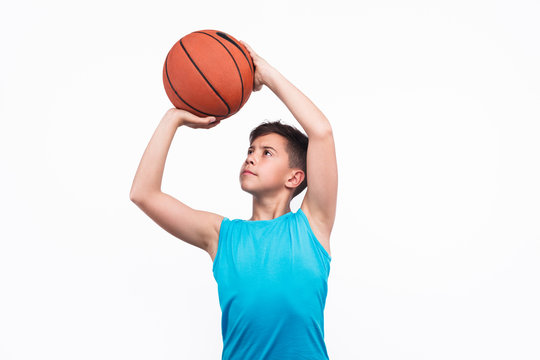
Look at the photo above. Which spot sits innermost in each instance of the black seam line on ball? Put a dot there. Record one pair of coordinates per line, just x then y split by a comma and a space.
172, 87
226, 37
205, 79
235, 63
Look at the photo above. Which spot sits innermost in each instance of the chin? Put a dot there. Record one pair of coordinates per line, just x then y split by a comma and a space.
249, 189
244, 187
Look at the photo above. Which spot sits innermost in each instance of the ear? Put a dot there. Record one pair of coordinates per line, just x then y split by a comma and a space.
295, 178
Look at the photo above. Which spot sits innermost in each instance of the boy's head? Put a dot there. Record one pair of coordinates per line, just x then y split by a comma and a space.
283, 162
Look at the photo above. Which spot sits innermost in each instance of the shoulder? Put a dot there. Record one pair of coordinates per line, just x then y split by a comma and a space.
319, 228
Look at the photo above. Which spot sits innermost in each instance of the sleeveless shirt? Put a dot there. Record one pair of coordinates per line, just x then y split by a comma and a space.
272, 285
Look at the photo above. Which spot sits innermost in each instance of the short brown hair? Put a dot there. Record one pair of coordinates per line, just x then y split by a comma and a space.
297, 145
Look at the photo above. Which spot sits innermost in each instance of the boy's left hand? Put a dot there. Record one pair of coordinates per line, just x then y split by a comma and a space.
262, 68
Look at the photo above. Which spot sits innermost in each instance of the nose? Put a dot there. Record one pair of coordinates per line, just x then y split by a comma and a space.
250, 159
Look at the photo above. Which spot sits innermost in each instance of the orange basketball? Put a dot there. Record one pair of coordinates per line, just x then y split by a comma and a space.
208, 73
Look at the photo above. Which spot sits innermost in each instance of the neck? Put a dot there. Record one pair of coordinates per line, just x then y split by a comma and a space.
268, 209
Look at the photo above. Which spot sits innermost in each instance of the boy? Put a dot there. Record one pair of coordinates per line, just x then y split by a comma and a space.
272, 269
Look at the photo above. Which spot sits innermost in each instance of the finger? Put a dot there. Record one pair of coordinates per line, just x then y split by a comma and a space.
211, 125
247, 46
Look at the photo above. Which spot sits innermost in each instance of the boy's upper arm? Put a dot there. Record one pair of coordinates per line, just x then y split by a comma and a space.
196, 227
322, 181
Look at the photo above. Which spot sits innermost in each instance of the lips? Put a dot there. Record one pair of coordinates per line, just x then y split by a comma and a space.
247, 172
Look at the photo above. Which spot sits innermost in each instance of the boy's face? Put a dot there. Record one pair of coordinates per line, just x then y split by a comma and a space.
267, 158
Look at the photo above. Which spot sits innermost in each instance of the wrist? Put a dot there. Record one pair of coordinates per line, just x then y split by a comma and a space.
174, 116
271, 77
269, 74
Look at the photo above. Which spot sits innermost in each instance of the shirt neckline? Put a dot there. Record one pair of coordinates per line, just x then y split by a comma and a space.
262, 221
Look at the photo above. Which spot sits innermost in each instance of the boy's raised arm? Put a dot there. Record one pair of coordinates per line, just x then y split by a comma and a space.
198, 228
305, 112
150, 171
322, 178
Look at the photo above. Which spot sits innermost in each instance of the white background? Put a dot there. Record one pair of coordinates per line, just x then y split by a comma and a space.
435, 112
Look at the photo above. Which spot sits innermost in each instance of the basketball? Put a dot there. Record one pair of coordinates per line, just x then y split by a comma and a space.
208, 73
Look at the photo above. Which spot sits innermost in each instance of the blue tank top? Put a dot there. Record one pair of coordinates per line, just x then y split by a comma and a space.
272, 284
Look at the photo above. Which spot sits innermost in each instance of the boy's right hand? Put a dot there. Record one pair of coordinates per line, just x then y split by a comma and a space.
183, 117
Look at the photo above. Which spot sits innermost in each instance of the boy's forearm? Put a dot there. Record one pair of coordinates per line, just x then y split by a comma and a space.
150, 171
303, 109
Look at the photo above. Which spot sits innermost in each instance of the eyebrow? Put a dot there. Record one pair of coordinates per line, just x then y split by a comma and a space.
264, 147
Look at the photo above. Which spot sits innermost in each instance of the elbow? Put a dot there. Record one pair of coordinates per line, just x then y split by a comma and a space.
135, 197
322, 133
139, 197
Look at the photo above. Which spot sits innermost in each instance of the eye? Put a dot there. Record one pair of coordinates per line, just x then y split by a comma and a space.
265, 151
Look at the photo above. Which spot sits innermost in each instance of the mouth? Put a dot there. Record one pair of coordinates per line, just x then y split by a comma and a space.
247, 173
